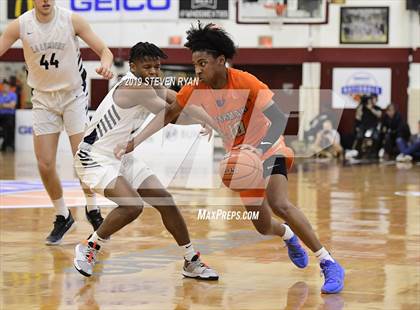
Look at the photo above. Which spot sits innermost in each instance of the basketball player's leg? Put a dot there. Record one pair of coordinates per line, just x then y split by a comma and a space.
47, 125
129, 207
75, 120
92, 211
277, 198
45, 147
155, 194
266, 224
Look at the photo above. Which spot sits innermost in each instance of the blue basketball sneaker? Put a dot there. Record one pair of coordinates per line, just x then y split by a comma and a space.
334, 277
297, 253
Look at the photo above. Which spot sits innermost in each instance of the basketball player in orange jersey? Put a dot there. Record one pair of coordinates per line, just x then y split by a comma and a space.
242, 110
49, 36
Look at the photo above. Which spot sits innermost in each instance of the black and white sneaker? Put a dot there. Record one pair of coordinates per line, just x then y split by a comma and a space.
61, 226
94, 217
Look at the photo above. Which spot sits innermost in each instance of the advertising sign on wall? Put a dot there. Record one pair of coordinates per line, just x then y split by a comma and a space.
107, 10
351, 83
212, 9
123, 10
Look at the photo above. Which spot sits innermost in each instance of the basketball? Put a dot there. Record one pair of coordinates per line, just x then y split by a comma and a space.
242, 169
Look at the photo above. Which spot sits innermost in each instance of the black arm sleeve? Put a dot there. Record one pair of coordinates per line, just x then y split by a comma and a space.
278, 124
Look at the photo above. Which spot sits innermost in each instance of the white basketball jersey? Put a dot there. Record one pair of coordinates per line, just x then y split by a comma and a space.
52, 53
111, 125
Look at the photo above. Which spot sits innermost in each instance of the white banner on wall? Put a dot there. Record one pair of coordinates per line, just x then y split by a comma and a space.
123, 10
351, 83
178, 155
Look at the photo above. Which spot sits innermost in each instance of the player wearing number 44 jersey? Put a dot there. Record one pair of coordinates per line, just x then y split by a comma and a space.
49, 36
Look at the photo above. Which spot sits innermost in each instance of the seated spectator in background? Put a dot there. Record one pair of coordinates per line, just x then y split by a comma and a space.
367, 133
16, 87
368, 113
315, 125
327, 141
409, 147
8, 101
392, 124
374, 98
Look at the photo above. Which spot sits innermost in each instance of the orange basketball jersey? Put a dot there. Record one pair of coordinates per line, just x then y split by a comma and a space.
237, 108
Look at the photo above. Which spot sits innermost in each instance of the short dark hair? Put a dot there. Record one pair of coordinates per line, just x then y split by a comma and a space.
210, 38
6, 82
145, 49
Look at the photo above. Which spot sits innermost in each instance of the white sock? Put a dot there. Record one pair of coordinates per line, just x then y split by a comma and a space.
60, 207
91, 203
189, 251
288, 233
95, 238
323, 254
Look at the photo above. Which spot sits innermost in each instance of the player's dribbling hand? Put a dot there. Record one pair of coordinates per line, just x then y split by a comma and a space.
105, 72
206, 130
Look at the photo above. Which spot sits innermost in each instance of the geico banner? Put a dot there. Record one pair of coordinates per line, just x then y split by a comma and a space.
349, 84
123, 10
177, 154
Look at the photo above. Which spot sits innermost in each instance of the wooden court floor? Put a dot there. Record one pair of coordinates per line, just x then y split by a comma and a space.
367, 216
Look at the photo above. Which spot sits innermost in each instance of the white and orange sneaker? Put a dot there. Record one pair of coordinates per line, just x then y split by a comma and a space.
85, 257
198, 270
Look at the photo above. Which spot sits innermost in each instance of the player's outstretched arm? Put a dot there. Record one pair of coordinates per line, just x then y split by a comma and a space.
9, 36
200, 116
129, 94
84, 31
163, 118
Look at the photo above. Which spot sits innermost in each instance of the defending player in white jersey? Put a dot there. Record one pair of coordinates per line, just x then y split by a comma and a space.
49, 36
129, 181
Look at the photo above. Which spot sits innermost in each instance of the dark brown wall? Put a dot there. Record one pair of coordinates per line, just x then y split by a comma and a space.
98, 91
281, 56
